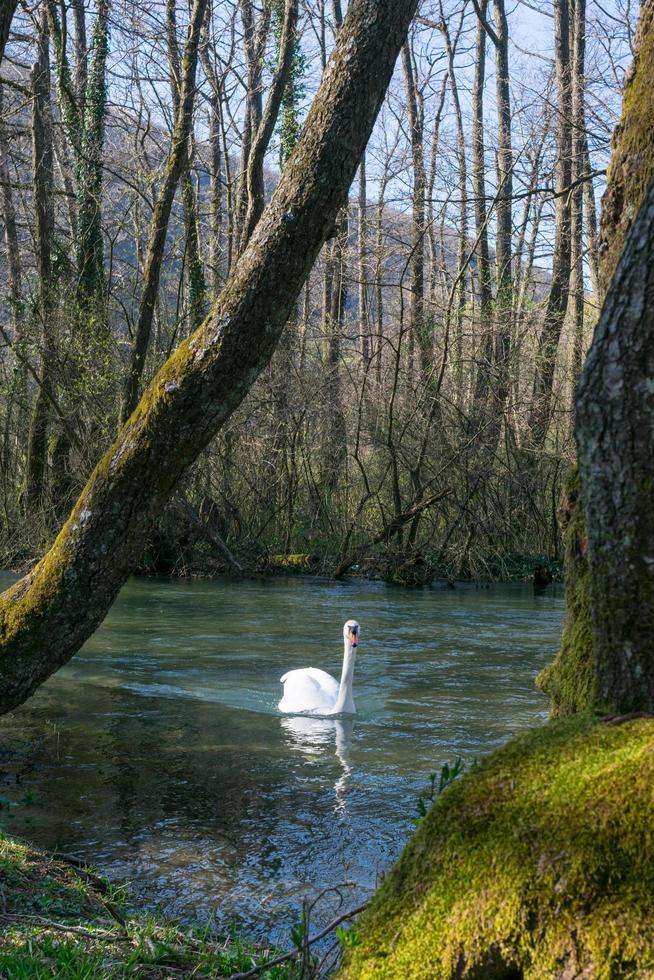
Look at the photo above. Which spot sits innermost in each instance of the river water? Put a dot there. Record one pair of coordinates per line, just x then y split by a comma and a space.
158, 753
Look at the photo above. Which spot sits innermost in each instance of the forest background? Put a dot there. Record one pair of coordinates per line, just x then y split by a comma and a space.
416, 418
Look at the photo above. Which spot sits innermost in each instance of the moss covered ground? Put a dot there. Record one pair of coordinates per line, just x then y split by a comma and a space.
58, 920
538, 864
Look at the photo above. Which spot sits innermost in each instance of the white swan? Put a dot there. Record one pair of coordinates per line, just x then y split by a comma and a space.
310, 691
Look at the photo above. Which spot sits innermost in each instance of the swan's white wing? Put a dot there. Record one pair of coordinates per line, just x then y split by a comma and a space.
308, 690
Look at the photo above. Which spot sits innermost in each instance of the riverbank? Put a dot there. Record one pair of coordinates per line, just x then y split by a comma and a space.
193, 555
192, 548
539, 863
411, 572
62, 919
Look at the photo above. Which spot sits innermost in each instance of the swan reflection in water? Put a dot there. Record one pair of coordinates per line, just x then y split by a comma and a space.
313, 735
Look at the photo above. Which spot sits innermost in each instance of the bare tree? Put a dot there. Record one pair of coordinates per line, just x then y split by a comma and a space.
47, 615
175, 164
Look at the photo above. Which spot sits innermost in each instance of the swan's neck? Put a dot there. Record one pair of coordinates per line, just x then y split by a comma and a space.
345, 701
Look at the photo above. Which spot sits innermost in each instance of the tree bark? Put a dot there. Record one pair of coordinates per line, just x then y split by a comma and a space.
364, 329
7, 11
84, 127
261, 140
503, 218
44, 231
335, 300
557, 300
254, 43
569, 679
10, 233
90, 249
218, 262
462, 230
578, 34
484, 353
45, 617
615, 421
504, 214
418, 332
177, 160
632, 159
592, 236
81, 53
196, 287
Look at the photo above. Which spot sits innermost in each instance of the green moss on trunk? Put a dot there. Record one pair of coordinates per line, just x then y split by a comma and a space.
539, 864
632, 156
569, 680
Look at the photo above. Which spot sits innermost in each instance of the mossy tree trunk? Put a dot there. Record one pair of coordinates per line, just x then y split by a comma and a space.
615, 422
568, 680
45, 617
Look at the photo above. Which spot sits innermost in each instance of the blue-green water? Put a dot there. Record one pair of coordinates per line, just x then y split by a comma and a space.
158, 753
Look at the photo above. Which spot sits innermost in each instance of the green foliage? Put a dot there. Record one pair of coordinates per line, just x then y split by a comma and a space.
348, 938
289, 124
447, 775
89, 245
85, 132
69, 923
298, 932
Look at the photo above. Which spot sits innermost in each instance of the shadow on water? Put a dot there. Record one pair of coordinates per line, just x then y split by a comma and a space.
158, 753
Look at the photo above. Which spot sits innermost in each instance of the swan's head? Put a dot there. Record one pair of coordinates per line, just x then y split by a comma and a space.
352, 632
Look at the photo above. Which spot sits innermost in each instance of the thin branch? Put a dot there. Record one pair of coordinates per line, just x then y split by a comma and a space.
296, 952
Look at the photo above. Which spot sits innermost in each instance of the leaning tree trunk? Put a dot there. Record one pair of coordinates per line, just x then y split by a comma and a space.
45, 617
568, 680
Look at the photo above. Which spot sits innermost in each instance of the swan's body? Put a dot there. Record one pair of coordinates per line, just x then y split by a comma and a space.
311, 691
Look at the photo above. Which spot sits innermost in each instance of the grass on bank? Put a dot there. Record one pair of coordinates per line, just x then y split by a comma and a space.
58, 920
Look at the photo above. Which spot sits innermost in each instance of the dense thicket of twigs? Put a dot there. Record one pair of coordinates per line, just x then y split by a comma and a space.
417, 415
